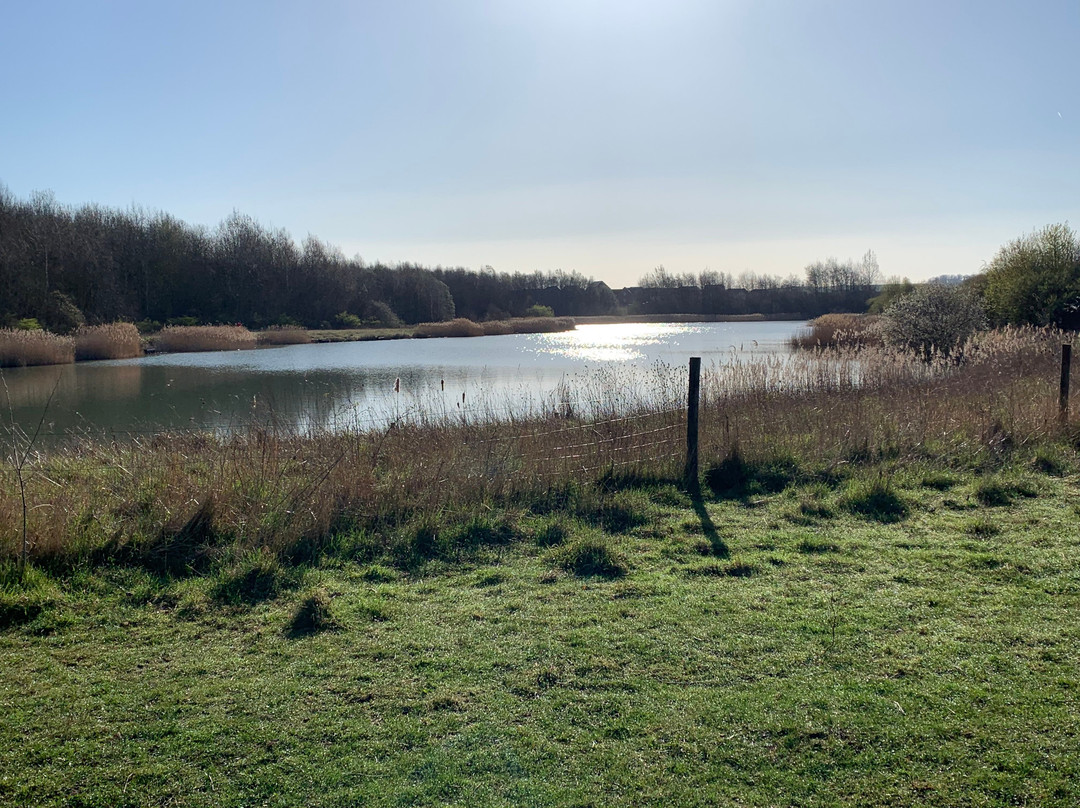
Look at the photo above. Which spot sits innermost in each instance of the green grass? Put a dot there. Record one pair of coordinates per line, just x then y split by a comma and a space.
809, 645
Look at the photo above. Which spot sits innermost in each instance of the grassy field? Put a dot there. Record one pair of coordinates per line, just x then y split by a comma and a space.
870, 602
841, 641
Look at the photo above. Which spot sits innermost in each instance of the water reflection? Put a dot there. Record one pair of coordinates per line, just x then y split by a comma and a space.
352, 385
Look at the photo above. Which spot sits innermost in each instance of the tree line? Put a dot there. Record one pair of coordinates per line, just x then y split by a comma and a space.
63, 266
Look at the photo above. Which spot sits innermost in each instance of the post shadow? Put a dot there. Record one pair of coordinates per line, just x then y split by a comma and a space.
708, 527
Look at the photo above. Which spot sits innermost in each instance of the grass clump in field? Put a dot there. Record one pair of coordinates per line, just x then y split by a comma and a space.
875, 498
591, 555
109, 341
190, 338
19, 348
314, 614
999, 490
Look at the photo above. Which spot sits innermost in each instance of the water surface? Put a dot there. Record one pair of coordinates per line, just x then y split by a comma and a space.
352, 384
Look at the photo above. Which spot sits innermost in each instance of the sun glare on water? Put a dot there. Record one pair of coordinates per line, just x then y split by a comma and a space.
609, 343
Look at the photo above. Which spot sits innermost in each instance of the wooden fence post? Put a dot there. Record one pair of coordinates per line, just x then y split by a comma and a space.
1063, 394
692, 396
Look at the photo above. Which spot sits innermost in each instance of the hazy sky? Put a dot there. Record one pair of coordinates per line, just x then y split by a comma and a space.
604, 136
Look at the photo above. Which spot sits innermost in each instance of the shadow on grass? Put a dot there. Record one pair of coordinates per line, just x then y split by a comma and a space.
708, 527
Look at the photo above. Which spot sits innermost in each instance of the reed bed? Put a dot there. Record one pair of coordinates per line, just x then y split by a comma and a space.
190, 498
110, 341
189, 338
26, 348
462, 327
284, 335
839, 330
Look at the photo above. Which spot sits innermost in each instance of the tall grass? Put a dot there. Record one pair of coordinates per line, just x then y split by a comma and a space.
182, 338
190, 497
284, 335
111, 341
462, 327
24, 348
839, 330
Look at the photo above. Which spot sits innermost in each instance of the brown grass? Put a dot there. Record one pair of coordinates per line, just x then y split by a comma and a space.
288, 492
839, 330
462, 327
459, 327
183, 338
111, 341
284, 335
25, 348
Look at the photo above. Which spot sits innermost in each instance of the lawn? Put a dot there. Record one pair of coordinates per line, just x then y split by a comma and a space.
895, 635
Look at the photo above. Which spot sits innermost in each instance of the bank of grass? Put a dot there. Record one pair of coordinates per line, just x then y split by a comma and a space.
776, 647
19, 348
284, 335
190, 338
839, 330
462, 327
108, 341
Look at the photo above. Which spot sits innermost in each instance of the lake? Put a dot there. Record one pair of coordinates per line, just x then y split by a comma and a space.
352, 385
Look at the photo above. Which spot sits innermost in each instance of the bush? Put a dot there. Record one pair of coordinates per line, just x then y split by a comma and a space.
1036, 279
536, 310
933, 318
346, 320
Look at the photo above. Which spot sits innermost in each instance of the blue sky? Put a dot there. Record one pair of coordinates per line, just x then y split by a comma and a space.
603, 136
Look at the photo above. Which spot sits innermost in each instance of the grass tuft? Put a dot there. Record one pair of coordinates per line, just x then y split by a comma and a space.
591, 556
998, 491
314, 614
875, 499
256, 577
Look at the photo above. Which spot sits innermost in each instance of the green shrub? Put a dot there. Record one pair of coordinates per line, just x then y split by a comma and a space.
346, 320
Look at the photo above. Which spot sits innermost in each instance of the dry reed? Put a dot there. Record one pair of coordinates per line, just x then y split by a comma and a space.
459, 327
111, 341
274, 489
839, 330
284, 335
25, 348
462, 327
183, 338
